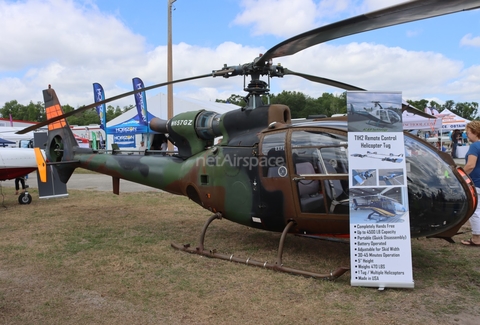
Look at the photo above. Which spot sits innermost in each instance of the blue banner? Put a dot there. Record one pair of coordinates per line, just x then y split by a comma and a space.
140, 101
124, 141
131, 126
99, 95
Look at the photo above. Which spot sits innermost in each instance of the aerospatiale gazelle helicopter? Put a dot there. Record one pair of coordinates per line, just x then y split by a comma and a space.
268, 173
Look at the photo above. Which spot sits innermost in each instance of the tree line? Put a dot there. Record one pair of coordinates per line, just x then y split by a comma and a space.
36, 113
301, 106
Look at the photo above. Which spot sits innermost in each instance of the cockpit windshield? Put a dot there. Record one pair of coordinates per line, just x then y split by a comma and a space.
432, 187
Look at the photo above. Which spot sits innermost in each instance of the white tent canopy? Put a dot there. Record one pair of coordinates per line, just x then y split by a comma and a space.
451, 121
9, 133
417, 122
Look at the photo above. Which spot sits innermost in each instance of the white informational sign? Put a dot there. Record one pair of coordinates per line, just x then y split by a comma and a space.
380, 247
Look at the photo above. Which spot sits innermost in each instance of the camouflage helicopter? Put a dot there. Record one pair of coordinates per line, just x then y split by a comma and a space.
267, 172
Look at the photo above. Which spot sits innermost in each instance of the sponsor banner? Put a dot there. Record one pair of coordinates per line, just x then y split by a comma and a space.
380, 247
140, 101
94, 141
459, 126
99, 95
124, 141
128, 129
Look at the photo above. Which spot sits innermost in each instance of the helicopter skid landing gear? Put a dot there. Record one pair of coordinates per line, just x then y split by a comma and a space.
277, 266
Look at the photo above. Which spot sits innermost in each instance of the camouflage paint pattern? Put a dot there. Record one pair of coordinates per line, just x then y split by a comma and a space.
216, 177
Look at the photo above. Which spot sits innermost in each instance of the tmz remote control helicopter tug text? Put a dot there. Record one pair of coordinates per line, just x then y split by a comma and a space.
270, 174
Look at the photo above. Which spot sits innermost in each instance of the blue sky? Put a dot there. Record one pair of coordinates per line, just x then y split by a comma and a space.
71, 44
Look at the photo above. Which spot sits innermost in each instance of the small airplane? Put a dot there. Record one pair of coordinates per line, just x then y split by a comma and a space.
267, 172
383, 207
18, 162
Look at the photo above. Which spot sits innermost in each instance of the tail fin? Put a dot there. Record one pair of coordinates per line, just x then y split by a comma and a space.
61, 144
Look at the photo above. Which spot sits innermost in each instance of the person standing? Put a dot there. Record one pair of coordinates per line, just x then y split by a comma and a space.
142, 148
472, 168
18, 181
164, 147
456, 139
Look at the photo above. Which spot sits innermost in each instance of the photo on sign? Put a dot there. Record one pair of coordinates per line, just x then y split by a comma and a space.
391, 177
387, 157
374, 111
364, 177
377, 205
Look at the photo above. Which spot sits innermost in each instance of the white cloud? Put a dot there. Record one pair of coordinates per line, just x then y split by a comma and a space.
413, 33
71, 45
61, 43
469, 40
370, 5
36, 31
373, 67
283, 18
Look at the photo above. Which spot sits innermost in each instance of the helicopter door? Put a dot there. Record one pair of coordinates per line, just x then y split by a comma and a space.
333, 162
320, 163
275, 192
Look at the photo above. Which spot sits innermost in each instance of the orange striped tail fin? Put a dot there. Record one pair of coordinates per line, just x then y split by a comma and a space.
52, 112
53, 109
61, 144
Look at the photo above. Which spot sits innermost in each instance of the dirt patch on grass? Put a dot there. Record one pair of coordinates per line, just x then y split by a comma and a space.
97, 258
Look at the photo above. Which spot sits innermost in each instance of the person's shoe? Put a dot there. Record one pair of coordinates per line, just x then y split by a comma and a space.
16, 192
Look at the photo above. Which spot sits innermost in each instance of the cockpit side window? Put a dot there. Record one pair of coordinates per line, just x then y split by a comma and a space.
318, 148
273, 154
327, 154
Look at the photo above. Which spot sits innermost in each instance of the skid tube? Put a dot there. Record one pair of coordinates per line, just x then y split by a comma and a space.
277, 266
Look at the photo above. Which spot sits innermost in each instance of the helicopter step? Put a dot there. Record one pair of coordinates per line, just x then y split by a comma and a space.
277, 266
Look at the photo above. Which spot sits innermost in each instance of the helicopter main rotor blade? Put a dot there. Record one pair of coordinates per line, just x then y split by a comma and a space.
405, 106
321, 80
395, 15
84, 108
